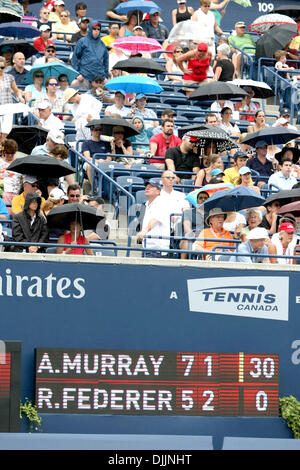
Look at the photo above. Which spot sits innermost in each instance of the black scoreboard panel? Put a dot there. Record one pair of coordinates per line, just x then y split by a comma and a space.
156, 382
10, 376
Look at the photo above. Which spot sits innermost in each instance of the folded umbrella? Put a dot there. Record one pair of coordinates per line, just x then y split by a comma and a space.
54, 69
41, 166
18, 30
140, 65
233, 200
62, 216
134, 84
271, 135
28, 137
277, 37
217, 91
108, 123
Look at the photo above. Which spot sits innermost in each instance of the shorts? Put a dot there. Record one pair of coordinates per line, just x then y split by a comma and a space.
192, 82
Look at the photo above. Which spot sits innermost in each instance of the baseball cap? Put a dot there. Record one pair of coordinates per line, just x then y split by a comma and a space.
56, 137
240, 24
181, 1
240, 154
285, 111
44, 27
84, 18
56, 193
244, 170
281, 120
260, 143
138, 26
122, 92
202, 46
154, 182
29, 179
50, 46
286, 227
140, 95
59, 2
44, 104
216, 172
257, 233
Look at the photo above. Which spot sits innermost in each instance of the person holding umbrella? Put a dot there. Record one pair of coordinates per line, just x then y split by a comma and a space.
134, 18
74, 237
29, 225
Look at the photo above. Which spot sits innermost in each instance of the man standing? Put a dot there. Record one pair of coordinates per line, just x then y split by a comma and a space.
19, 71
183, 158
153, 27
159, 143
283, 179
156, 222
90, 57
260, 163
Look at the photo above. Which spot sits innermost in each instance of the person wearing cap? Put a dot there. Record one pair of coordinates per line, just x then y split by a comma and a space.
19, 71
58, 7
90, 57
118, 107
245, 179
182, 12
183, 158
283, 178
215, 221
156, 222
285, 241
47, 119
64, 25
231, 174
83, 25
259, 162
138, 108
7, 52
56, 198
43, 40
53, 138
154, 28
241, 40
256, 244
197, 63
134, 18
160, 143
29, 225
30, 183
49, 56
285, 113
84, 108
208, 26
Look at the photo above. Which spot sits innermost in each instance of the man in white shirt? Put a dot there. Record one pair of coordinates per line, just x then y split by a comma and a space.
156, 222
285, 113
47, 119
176, 199
282, 179
118, 107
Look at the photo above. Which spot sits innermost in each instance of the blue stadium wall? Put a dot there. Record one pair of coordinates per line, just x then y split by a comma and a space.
234, 12
127, 305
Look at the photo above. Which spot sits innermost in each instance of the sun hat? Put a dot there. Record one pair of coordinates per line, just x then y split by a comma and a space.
69, 93
215, 211
257, 233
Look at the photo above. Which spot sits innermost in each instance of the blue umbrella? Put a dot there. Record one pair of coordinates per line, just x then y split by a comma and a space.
134, 84
52, 69
18, 30
142, 5
233, 200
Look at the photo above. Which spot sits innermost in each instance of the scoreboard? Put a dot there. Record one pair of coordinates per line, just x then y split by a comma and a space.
156, 382
10, 378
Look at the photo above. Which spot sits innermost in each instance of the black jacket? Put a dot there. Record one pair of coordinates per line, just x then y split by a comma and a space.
24, 231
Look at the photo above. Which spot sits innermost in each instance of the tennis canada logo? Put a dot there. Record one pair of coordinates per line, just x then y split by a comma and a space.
255, 297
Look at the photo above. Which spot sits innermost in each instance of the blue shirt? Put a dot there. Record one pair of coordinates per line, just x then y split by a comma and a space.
281, 181
246, 248
263, 169
96, 147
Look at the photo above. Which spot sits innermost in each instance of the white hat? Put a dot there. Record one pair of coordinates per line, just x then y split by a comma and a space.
257, 233
59, 2
44, 27
56, 136
56, 193
44, 104
29, 179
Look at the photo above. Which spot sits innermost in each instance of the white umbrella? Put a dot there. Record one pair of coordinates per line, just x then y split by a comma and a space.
264, 23
184, 31
261, 89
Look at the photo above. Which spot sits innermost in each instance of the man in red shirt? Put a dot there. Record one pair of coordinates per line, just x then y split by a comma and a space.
160, 143
43, 40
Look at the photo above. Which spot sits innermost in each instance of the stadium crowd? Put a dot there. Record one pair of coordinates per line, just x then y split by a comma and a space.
88, 115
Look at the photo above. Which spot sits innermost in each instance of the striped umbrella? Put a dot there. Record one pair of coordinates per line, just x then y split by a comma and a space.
209, 189
264, 23
136, 44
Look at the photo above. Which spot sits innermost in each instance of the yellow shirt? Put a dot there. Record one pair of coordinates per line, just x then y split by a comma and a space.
295, 43
231, 175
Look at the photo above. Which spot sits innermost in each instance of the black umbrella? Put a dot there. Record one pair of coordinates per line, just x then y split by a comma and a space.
28, 137
41, 166
108, 123
214, 135
285, 196
271, 135
19, 45
277, 37
62, 216
140, 65
217, 91
193, 127
289, 10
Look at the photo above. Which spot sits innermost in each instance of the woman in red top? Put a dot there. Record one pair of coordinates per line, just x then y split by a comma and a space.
198, 61
73, 238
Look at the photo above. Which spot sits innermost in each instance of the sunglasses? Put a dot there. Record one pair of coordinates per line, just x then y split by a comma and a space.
96, 29
74, 195
34, 185
50, 50
97, 129
119, 132
39, 75
53, 83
